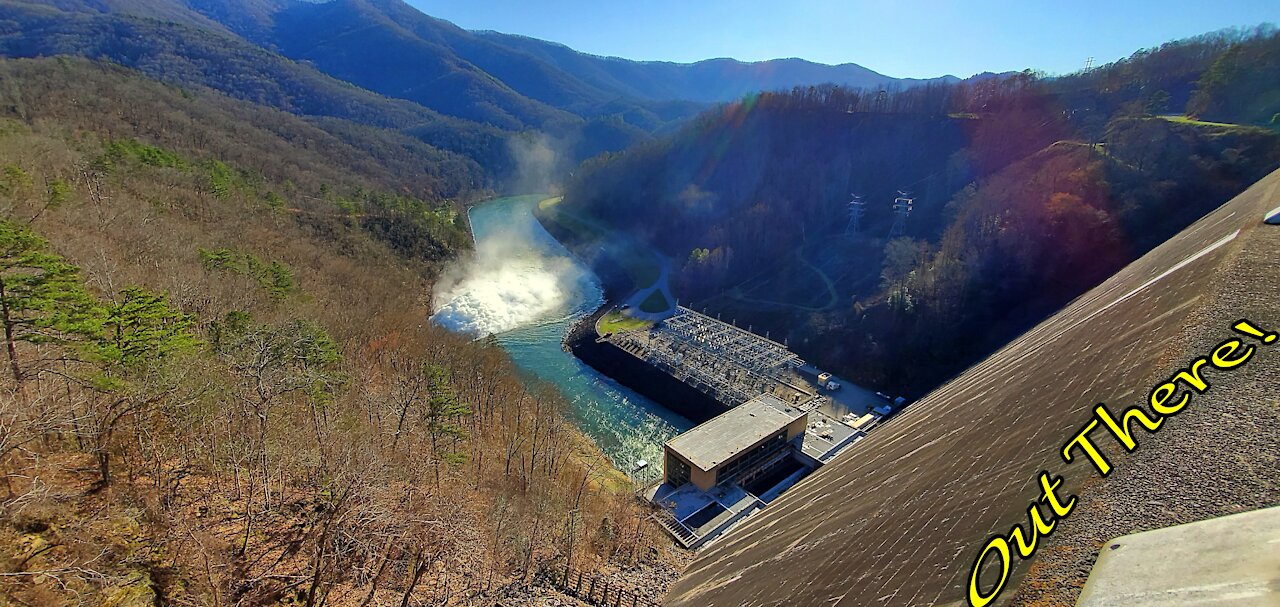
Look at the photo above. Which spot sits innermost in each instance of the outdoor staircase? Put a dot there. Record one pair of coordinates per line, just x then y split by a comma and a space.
677, 530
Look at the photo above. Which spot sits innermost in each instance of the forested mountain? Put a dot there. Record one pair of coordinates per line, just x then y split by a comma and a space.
389, 47
186, 55
219, 386
1025, 191
469, 92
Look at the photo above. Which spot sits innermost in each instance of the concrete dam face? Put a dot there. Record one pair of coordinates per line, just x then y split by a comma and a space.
902, 519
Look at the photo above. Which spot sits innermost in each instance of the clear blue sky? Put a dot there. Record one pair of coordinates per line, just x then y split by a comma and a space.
898, 38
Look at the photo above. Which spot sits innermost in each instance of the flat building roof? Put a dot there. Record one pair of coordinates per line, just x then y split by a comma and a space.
721, 438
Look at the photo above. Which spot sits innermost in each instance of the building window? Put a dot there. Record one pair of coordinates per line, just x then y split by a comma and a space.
749, 459
677, 471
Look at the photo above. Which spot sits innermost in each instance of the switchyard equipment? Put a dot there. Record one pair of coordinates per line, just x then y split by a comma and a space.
746, 349
723, 361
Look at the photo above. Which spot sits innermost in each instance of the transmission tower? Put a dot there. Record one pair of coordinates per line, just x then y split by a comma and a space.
856, 208
901, 209
1088, 64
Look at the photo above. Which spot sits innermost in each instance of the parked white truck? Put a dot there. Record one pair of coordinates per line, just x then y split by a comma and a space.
825, 381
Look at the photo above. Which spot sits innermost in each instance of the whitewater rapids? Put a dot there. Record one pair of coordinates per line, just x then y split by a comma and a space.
518, 276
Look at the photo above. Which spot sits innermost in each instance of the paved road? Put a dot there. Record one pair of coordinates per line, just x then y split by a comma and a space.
662, 284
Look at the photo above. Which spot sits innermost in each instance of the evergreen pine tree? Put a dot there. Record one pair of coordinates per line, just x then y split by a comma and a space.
42, 298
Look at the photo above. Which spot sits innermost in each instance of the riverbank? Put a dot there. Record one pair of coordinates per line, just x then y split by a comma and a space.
529, 291
622, 270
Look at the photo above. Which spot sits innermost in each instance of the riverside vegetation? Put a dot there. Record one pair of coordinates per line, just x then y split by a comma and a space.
221, 387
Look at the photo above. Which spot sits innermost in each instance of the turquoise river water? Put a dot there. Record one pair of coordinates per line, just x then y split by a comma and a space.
526, 289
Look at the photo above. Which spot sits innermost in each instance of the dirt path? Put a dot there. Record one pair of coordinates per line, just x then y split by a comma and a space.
833, 297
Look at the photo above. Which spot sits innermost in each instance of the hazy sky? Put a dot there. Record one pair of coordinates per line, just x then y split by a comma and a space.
897, 38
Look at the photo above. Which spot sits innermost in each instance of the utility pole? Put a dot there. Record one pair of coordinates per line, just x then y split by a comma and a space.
1088, 64
901, 210
856, 209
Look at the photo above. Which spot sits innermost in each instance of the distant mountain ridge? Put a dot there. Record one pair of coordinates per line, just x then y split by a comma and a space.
508, 81
709, 80
401, 42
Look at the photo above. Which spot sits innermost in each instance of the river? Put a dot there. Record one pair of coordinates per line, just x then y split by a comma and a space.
526, 289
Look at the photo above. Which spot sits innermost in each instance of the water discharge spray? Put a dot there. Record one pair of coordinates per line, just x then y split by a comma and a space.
526, 288
510, 282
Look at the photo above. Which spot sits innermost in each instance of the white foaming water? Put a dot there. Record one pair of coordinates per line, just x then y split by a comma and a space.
516, 278
525, 287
